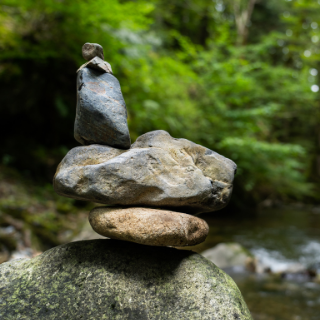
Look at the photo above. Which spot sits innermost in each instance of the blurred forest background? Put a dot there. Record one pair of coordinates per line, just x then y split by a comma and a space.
240, 77
237, 76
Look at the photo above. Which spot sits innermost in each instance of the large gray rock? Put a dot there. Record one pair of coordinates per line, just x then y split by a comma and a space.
109, 279
152, 227
101, 115
158, 171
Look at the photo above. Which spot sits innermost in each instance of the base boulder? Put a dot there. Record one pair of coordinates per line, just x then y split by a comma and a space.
112, 279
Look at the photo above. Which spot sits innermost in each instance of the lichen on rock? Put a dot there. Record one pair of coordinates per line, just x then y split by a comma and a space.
110, 279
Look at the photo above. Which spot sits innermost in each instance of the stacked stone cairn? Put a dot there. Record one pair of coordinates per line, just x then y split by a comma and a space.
153, 188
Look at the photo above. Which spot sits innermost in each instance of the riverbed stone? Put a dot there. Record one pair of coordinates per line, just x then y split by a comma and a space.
231, 256
147, 226
111, 279
91, 50
158, 171
101, 116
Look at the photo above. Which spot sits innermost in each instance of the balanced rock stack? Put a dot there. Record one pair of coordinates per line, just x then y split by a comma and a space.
154, 187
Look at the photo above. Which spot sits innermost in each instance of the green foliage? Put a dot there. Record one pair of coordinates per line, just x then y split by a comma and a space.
51, 219
52, 28
182, 70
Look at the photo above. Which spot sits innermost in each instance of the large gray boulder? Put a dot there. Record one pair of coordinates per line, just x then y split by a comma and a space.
101, 115
110, 279
158, 171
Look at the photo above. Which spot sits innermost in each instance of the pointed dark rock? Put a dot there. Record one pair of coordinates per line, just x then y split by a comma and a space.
101, 116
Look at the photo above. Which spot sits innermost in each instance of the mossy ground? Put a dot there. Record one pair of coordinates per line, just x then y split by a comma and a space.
36, 216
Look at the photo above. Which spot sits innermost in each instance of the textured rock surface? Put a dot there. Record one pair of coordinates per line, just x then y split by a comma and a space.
91, 50
158, 171
98, 64
101, 111
110, 279
149, 226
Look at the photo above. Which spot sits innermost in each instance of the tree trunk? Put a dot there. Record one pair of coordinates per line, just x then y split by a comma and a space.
242, 12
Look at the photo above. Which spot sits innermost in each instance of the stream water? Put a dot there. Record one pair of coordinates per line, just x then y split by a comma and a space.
280, 239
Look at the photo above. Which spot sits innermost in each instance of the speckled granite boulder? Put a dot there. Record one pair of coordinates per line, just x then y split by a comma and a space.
152, 227
158, 171
101, 115
110, 279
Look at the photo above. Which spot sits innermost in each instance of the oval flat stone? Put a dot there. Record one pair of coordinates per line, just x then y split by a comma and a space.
152, 227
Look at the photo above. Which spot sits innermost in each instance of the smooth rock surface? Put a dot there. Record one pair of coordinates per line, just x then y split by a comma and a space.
98, 64
152, 227
158, 171
101, 111
91, 50
110, 279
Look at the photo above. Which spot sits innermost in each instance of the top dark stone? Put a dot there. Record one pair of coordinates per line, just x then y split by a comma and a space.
109, 279
101, 116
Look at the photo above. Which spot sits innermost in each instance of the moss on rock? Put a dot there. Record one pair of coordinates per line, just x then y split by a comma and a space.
110, 279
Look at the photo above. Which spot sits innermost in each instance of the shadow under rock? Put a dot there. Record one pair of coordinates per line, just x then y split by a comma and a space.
115, 256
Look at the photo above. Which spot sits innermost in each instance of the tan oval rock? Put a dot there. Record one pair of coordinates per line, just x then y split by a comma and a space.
152, 227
